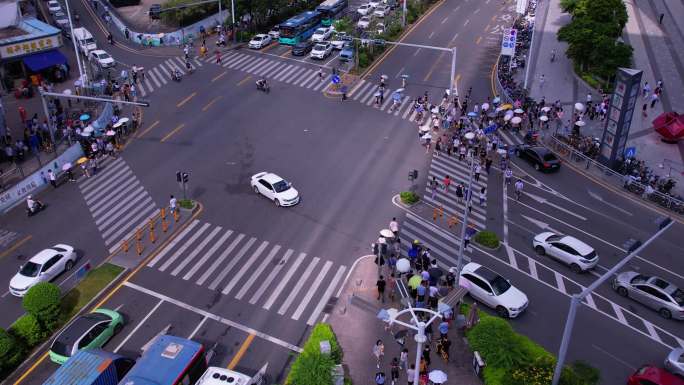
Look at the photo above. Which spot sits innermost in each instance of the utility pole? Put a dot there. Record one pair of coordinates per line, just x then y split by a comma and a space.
464, 225
453, 92
403, 15
83, 79
635, 248
232, 15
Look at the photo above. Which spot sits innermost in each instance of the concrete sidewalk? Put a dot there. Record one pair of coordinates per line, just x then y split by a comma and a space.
354, 320
658, 51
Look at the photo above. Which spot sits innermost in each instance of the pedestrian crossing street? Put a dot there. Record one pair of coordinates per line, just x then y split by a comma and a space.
159, 75
256, 272
117, 201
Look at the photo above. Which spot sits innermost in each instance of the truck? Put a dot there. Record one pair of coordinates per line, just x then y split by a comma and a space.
91, 367
84, 40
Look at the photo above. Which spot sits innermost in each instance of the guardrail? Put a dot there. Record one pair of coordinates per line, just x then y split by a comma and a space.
612, 177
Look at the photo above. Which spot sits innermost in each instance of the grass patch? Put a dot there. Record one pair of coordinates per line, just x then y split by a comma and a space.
487, 238
409, 197
186, 204
311, 367
96, 280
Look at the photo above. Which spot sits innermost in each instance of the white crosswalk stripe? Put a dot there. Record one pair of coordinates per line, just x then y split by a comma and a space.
257, 272
116, 200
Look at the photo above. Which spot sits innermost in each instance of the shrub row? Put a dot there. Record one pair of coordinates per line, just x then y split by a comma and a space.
311, 367
487, 238
514, 359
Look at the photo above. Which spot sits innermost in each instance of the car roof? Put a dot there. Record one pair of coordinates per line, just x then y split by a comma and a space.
98, 51
43, 256
271, 178
576, 244
261, 35
80, 326
484, 272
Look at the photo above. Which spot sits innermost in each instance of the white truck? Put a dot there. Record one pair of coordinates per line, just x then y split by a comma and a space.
84, 40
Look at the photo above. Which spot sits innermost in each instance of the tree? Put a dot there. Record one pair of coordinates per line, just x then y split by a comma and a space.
10, 351
569, 6
42, 301
28, 329
610, 12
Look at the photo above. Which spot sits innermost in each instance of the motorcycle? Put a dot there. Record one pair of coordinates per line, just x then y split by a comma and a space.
176, 76
37, 207
263, 86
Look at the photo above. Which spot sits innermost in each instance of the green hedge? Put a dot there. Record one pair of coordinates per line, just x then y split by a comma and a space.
28, 330
186, 203
11, 352
409, 197
487, 238
514, 359
42, 302
311, 367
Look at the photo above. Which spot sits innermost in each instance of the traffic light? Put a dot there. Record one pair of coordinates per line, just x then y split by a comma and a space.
178, 177
413, 174
186, 177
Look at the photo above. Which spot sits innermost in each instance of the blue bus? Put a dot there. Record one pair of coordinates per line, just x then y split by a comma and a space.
299, 28
168, 360
329, 10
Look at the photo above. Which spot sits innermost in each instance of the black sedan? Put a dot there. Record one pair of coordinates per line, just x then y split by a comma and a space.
302, 48
539, 157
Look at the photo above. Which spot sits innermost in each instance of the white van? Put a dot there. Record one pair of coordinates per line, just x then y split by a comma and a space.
85, 40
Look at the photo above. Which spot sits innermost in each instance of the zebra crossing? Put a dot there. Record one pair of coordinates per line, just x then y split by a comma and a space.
117, 201
257, 272
159, 75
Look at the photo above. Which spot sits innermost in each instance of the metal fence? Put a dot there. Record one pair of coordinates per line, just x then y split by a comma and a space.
612, 177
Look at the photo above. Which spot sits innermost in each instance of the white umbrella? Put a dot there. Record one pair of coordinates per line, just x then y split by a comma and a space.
426, 136
399, 90
66, 166
85, 133
110, 133
579, 107
485, 106
437, 376
544, 118
435, 110
516, 120
386, 233
580, 123
384, 76
508, 117
403, 265
546, 109
89, 129
518, 111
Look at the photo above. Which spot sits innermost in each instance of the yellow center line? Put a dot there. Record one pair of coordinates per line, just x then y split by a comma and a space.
434, 65
205, 108
180, 104
15, 246
153, 125
172, 132
479, 39
244, 80
219, 76
241, 352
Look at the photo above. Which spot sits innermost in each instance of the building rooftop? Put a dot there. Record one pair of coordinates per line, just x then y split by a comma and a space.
28, 29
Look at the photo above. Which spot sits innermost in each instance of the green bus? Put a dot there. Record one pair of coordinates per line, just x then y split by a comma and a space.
299, 28
329, 10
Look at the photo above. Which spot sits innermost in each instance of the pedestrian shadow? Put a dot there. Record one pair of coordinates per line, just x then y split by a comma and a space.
364, 305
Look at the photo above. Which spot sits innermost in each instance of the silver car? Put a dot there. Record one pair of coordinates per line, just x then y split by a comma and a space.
654, 292
675, 361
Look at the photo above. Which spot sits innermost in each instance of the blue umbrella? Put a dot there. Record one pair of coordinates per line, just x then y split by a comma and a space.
84, 117
396, 96
472, 114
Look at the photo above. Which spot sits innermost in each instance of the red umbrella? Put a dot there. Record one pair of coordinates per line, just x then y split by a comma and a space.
670, 125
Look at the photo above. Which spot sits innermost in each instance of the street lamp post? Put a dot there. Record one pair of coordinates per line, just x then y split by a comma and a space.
466, 212
634, 249
82, 79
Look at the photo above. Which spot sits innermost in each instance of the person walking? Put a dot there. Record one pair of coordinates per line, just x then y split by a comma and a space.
459, 193
218, 56
542, 79
403, 359
433, 186
518, 189
483, 196
508, 174
447, 182
378, 352
646, 90
466, 240
320, 73
426, 354
478, 171
52, 178
381, 284
654, 99
172, 204
394, 227
488, 164
394, 370
84, 167
411, 374
380, 378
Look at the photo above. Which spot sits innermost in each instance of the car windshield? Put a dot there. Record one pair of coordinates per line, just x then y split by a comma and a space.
320, 47
500, 285
549, 156
678, 296
61, 348
554, 238
30, 269
283, 185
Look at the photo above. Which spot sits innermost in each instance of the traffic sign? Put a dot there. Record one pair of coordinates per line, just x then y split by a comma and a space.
630, 152
335, 79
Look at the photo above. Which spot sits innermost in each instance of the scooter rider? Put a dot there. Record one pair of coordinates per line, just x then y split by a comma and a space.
33, 205
262, 84
176, 75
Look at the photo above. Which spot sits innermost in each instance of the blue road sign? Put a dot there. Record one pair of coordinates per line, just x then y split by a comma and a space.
630, 152
335, 79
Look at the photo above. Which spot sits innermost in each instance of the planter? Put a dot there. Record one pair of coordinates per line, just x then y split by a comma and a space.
408, 198
188, 206
487, 239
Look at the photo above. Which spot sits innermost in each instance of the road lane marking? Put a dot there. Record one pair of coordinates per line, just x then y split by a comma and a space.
476, 11
284, 281
15, 246
205, 108
326, 296
431, 35
618, 313
212, 316
533, 269
244, 80
193, 253
153, 125
416, 53
559, 281
182, 102
511, 256
232, 263
466, 22
652, 331
625, 363
135, 329
399, 73
487, 27
543, 200
457, 8
241, 352
170, 134
219, 76
445, 20
245, 266
207, 255
197, 328
267, 283
219, 260
312, 289
479, 39
257, 273
600, 199
454, 38
302, 280
286, 54
590, 300
434, 66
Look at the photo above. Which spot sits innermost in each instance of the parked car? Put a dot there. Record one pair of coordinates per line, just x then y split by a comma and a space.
274, 33
539, 157
347, 52
155, 11
321, 34
88, 331
364, 22
568, 250
381, 11
651, 375
42, 267
321, 50
259, 41
102, 58
339, 39
54, 6
364, 9
302, 48
380, 28
675, 362
274, 188
374, 3
654, 292
493, 290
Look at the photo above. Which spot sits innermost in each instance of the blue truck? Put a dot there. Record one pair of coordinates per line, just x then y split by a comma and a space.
91, 367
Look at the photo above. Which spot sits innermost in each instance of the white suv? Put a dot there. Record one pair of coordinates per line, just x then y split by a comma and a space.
568, 250
493, 290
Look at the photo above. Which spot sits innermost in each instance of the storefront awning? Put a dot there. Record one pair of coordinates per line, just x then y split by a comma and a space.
42, 60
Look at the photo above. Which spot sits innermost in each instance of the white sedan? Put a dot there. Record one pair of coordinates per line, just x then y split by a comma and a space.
54, 6
364, 22
568, 250
102, 58
321, 50
381, 11
493, 290
321, 34
260, 41
275, 189
42, 267
364, 9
